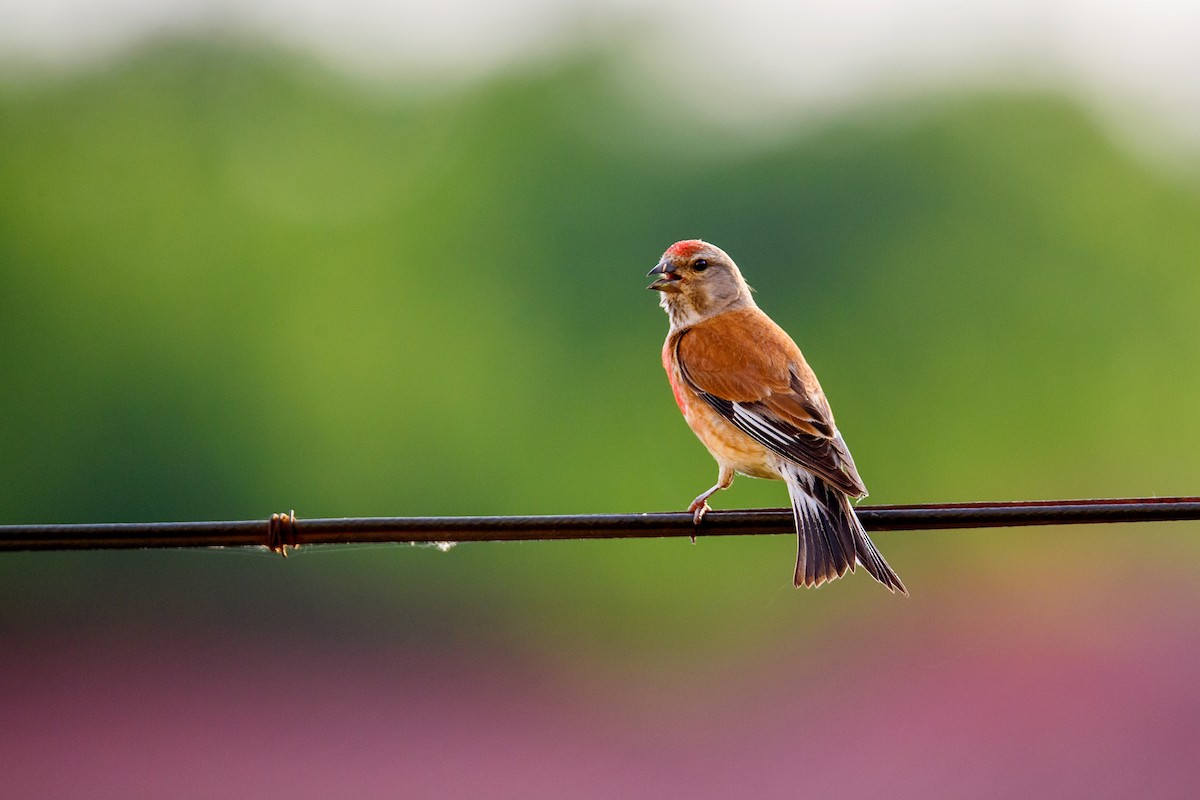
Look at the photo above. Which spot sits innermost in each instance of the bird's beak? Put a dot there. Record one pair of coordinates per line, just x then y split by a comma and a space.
666, 278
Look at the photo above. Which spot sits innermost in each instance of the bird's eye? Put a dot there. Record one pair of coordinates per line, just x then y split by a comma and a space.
700, 265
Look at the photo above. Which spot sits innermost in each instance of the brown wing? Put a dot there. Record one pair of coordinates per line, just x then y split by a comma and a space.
750, 371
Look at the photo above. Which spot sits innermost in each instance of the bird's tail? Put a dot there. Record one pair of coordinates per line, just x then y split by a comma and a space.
831, 540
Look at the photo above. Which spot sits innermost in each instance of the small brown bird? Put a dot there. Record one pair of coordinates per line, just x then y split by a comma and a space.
748, 394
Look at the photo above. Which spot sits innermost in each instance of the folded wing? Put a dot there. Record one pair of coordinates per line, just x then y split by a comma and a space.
768, 392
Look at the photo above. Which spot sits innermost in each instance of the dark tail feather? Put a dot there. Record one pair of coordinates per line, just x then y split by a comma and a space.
831, 540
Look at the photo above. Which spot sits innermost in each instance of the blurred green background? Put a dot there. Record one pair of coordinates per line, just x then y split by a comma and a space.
234, 281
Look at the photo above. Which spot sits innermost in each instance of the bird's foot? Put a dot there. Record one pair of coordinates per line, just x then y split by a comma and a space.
699, 508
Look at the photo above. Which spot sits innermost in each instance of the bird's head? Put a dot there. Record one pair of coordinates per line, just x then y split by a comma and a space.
698, 280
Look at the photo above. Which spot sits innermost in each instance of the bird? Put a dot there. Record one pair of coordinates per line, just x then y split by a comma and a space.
748, 394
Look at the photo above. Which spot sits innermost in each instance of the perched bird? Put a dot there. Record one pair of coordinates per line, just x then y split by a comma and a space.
748, 394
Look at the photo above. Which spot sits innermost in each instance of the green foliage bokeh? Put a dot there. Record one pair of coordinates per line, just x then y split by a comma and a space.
232, 283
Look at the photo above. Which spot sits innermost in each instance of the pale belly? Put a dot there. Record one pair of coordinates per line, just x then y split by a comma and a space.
730, 447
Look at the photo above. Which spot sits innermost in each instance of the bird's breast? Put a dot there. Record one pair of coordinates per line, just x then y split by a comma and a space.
677, 387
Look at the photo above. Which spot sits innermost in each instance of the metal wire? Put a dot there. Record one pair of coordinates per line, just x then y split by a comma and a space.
284, 530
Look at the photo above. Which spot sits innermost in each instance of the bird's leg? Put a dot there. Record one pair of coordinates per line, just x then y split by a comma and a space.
699, 506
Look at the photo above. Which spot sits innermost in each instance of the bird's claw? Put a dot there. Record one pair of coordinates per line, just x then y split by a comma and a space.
698, 508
